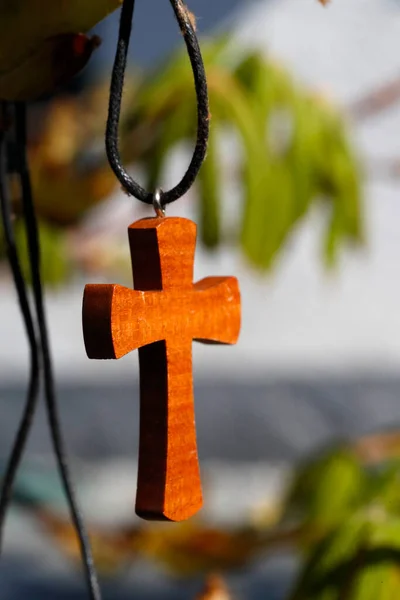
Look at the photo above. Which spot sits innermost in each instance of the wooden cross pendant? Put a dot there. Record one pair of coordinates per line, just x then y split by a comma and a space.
161, 317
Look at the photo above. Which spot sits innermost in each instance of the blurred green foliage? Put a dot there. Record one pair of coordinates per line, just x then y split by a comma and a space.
311, 497
283, 150
55, 264
293, 150
349, 516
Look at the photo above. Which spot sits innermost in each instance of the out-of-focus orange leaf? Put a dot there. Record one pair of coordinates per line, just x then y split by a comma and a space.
190, 548
215, 589
186, 549
378, 447
112, 550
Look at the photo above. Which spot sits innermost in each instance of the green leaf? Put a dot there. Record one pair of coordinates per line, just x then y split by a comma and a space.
259, 80
339, 178
379, 582
359, 560
169, 87
327, 490
273, 214
330, 566
209, 191
294, 149
176, 127
383, 487
230, 104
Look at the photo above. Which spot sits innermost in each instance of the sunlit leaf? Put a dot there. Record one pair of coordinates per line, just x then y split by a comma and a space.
357, 561
326, 490
55, 262
292, 152
210, 191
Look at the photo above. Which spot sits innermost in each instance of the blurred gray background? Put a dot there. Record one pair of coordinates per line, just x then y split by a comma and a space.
319, 357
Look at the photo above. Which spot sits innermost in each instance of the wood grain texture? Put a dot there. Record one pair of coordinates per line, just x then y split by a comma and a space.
161, 317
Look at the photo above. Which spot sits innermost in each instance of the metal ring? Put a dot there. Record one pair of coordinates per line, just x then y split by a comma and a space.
157, 204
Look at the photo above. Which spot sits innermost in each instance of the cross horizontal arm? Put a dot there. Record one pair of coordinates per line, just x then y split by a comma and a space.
117, 320
218, 306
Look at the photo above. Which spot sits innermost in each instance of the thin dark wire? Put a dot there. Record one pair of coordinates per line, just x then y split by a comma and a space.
50, 396
33, 386
117, 84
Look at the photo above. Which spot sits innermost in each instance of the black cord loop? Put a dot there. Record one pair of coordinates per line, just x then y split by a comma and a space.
116, 90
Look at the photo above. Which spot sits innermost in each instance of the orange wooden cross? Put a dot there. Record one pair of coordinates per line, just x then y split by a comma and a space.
161, 317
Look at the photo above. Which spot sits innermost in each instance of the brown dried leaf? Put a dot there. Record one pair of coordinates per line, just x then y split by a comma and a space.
51, 65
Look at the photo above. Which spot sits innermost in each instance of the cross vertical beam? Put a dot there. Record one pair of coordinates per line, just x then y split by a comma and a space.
169, 485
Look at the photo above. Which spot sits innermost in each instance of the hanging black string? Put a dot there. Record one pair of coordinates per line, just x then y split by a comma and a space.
33, 386
117, 84
50, 396
40, 356
31, 227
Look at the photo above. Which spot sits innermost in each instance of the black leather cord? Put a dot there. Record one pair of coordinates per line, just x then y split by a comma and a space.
117, 84
49, 387
41, 350
40, 354
33, 386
